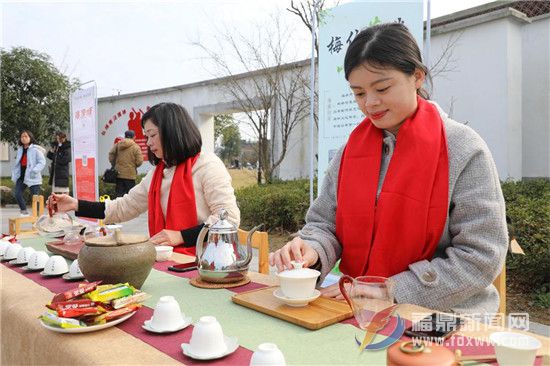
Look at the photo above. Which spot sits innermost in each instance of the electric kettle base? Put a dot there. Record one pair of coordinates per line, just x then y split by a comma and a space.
223, 277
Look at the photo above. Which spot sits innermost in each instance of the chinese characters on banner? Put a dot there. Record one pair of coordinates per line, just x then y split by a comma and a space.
84, 143
127, 118
338, 112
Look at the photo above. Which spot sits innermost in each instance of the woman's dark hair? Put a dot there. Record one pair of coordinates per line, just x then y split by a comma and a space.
33, 140
387, 45
179, 137
61, 134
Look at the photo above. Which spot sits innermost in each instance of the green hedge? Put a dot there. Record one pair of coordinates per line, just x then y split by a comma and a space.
528, 207
281, 205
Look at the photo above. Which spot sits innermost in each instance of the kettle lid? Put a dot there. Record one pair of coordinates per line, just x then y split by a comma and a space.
223, 225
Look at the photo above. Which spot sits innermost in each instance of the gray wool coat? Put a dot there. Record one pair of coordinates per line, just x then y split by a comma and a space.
472, 248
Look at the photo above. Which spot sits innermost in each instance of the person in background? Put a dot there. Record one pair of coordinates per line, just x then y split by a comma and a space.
60, 155
186, 189
126, 156
27, 171
413, 196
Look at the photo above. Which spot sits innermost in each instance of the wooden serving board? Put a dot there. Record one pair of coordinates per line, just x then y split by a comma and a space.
67, 251
316, 315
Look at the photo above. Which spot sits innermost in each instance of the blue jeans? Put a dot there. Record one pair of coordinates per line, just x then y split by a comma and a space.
18, 193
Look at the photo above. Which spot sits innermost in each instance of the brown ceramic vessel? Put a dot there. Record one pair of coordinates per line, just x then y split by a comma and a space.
118, 258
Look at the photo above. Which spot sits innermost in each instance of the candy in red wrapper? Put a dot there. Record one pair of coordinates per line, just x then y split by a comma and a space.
111, 315
75, 313
72, 304
83, 289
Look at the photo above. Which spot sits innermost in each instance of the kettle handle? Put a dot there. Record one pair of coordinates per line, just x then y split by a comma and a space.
343, 280
248, 258
200, 240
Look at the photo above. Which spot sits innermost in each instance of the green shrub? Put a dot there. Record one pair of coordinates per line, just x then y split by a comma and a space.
528, 207
281, 205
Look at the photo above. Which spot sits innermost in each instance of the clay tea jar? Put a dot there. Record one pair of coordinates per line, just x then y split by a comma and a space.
408, 354
118, 258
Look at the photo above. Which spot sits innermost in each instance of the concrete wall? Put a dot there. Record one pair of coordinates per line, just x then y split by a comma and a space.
536, 98
203, 101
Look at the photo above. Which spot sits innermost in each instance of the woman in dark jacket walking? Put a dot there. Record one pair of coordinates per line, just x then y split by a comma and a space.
60, 155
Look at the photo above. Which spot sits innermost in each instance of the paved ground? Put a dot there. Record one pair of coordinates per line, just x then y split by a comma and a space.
139, 226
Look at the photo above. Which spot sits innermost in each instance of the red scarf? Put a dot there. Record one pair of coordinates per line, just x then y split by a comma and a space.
181, 212
382, 238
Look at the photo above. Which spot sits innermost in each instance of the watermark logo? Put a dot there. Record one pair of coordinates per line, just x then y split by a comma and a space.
381, 324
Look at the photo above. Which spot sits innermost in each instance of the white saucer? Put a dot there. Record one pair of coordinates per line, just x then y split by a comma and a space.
51, 275
231, 343
14, 262
67, 277
185, 323
27, 269
296, 302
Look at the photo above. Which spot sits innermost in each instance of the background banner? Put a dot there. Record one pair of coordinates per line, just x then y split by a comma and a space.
83, 104
338, 112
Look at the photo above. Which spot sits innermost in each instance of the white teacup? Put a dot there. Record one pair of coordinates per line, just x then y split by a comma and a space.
12, 251
4, 244
38, 260
23, 256
267, 354
298, 283
56, 265
167, 314
74, 270
207, 338
164, 252
514, 348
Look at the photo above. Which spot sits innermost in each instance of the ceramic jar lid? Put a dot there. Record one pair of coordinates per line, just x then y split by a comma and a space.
117, 239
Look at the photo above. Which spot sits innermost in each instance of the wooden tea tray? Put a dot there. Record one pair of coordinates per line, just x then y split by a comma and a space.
316, 315
67, 251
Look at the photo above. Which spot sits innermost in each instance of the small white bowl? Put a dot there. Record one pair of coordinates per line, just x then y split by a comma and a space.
267, 354
164, 252
514, 348
298, 283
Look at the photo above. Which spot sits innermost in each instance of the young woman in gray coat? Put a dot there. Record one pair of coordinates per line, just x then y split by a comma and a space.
413, 195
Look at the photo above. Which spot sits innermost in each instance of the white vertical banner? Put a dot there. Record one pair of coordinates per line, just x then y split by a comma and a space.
84, 132
338, 112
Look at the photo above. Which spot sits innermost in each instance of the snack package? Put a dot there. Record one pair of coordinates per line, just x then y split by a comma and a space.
137, 297
72, 304
56, 321
75, 313
71, 294
107, 293
111, 315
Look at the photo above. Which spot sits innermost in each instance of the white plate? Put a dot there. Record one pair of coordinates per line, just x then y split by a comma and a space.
67, 277
52, 275
296, 302
91, 328
231, 343
185, 323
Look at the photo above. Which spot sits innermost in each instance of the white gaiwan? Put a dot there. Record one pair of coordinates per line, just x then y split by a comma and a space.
298, 283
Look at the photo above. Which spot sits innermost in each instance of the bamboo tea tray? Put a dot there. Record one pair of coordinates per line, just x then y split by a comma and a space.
316, 315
